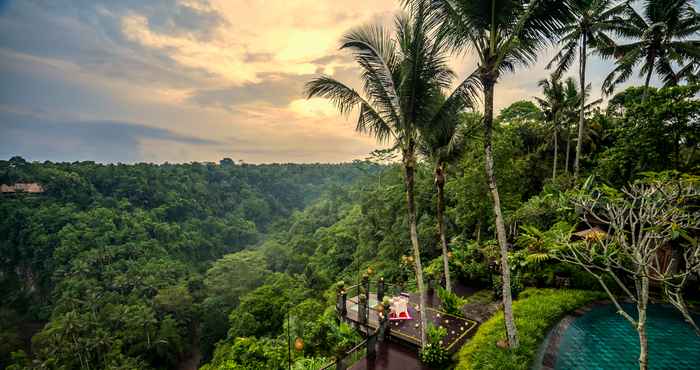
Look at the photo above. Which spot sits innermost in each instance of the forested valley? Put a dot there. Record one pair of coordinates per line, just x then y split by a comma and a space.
180, 265
138, 266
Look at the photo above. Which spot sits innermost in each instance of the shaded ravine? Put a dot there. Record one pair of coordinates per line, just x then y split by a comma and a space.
192, 359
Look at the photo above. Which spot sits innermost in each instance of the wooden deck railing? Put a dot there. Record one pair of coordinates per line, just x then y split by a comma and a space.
357, 305
367, 347
349, 357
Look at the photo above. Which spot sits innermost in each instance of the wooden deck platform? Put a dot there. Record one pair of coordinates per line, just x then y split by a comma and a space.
458, 329
391, 356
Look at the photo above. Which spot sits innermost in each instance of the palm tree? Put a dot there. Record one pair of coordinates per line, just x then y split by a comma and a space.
503, 34
661, 40
591, 20
553, 106
442, 143
402, 77
571, 114
572, 98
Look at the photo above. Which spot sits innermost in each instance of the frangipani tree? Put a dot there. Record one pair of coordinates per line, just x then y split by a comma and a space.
641, 221
403, 73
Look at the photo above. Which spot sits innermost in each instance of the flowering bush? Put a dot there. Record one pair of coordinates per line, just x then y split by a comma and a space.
434, 354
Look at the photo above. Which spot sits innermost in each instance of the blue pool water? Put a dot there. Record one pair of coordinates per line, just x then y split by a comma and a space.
602, 339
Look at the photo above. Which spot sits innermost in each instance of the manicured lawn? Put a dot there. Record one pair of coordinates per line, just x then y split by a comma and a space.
482, 296
536, 311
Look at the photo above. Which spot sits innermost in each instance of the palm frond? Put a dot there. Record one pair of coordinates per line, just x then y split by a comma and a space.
376, 53
688, 72
623, 70
461, 98
346, 99
564, 58
664, 70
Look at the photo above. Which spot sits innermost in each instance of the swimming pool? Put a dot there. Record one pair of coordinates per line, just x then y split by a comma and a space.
602, 339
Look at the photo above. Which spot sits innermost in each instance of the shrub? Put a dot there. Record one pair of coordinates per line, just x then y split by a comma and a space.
535, 312
249, 354
434, 354
516, 285
470, 260
434, 270
451, 302
310, 363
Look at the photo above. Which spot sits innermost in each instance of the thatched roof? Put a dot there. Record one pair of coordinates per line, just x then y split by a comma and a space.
592, 233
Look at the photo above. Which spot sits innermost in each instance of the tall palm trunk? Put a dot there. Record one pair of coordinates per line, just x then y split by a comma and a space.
568, 148
511, 331
440, 184
581, 116
556, 153
409, 160
647, 80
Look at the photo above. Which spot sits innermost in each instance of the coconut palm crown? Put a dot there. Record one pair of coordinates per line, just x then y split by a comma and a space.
592, 21
662, 40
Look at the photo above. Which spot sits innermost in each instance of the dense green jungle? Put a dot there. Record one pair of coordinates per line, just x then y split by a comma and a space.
161, 266
509, 214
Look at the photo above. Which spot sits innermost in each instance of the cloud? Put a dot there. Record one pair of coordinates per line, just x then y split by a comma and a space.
274, 89
39, 138
263, 132
183, 80
88, 34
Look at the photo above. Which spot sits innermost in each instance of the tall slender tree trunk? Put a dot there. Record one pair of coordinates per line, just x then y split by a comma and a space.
511, 330
647, 80
478, 232
556, 154
581, 116
409, 161
568, 148
440, 184
642, 324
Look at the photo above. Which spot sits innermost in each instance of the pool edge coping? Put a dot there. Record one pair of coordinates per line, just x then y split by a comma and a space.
547, 355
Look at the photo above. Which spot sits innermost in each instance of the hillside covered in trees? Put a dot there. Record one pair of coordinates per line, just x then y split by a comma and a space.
534, 210
129, 265
142, 266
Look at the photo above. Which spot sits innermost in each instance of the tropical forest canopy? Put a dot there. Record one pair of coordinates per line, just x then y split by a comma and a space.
148, 266
125, 266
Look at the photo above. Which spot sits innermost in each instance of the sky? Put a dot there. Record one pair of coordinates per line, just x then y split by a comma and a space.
191, 80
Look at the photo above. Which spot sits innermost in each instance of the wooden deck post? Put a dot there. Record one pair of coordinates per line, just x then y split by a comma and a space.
340, 364
380, 289
384, 326
362, 311
341, 306
371, 346
365, 284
